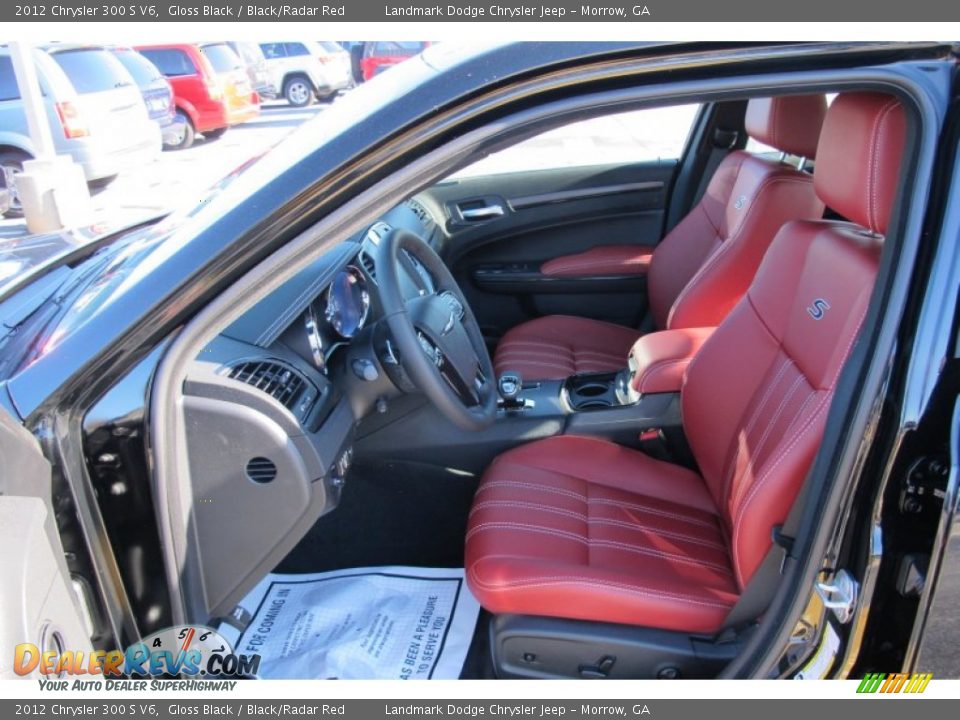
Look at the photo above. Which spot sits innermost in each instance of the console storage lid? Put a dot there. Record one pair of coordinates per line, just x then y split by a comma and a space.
659, 360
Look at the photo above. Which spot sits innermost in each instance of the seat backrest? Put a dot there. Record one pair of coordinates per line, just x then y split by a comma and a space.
756, 397
702, 267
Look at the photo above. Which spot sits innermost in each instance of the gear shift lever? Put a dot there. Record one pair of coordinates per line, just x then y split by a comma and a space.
509, 385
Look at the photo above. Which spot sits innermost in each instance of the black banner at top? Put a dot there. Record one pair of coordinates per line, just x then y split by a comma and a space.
622, 11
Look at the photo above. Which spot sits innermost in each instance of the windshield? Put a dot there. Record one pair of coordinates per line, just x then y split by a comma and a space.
93, 70
143, 71
222, 57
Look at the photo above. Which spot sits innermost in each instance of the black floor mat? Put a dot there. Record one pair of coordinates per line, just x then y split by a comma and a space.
397, 514
390, 514
479, 662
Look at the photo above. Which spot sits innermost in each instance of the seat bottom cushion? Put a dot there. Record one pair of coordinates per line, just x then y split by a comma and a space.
558, 346
585, 529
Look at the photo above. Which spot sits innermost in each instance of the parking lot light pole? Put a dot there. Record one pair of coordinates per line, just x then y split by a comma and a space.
29, 85
52, 188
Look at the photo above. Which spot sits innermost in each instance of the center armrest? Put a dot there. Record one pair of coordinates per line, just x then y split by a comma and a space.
658, 360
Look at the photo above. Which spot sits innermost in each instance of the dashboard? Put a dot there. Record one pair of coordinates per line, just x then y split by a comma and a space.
286, 383
270, 406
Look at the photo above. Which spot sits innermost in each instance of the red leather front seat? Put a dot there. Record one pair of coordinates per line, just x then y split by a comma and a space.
582, 528
702, 268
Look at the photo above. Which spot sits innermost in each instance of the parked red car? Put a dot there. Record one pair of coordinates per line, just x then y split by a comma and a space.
380, 55
210, 85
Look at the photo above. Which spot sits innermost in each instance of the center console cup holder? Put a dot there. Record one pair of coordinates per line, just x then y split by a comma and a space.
591, 391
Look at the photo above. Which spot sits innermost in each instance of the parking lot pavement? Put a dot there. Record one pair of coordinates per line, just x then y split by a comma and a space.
177, 178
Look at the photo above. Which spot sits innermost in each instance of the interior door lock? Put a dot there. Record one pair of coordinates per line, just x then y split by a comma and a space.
840, 595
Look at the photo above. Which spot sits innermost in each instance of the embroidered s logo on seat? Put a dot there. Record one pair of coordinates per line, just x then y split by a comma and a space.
818, 308
741, 201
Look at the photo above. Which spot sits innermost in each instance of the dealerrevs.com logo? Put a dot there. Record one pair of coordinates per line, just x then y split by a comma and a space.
187, 651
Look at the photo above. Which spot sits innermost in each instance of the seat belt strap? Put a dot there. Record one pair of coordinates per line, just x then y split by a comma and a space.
763, 585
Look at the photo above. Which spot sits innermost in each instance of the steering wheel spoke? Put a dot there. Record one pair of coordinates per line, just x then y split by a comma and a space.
441, 346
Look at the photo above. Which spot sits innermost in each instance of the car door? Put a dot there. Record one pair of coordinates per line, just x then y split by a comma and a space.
564, 222
40, 609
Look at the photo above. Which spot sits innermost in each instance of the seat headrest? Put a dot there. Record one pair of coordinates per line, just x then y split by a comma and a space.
789, 123
858, 159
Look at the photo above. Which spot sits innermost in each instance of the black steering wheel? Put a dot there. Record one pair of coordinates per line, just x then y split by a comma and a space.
439, 342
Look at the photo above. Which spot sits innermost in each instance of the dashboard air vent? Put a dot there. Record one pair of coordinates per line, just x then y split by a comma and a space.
369, 265
274, 378
261, 470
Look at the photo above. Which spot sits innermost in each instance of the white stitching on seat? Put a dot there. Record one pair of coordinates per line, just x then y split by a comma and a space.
785, 363
536, 361
554, 580
871, 185
752, 463
519, 505
590, 542
534, 345
655, 511
521, 527
658, 531
532, 486
763, 479
640, 527
730, 463
598, 501
827, 395
602, 354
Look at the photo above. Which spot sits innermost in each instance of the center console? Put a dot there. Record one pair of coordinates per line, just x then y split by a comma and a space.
627, 407
617, 405
601, 405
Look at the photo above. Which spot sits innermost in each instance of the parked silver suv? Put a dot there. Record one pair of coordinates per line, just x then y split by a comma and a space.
95, 111
303, 71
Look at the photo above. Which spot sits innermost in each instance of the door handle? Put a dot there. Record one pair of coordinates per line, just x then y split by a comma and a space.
482, 213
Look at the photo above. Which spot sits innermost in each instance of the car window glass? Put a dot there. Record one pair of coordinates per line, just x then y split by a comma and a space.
330, 46
143, 71
396, 48
272, 51
8, 81
221, 57
171, 62
92, 71
637, 136
295, 49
